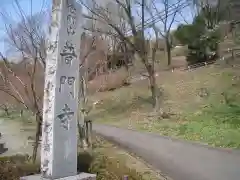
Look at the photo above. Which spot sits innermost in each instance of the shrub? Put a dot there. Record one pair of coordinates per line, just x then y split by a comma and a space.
204, 48
201, 39
14, 167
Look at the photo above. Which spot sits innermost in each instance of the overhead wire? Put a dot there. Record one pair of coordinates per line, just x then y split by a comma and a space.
157, 17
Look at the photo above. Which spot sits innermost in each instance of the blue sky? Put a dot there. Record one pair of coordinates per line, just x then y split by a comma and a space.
9, 7
34, 6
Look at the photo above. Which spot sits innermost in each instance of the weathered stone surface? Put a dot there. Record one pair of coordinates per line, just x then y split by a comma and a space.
59, 139
82, 176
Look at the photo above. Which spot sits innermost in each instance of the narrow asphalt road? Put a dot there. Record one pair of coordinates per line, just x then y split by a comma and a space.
179, 160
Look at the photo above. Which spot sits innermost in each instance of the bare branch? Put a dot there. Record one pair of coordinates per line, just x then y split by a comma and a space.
27, 38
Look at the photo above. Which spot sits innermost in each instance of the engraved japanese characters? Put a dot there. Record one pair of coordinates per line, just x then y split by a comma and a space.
59, 138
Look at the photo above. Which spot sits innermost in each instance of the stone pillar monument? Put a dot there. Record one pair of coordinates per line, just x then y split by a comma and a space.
59, 138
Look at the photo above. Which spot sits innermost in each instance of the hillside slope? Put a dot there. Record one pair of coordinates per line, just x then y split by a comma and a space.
199, 105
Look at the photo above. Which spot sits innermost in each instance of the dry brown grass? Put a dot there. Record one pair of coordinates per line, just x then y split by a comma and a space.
178, 61
22, 83
109, 81
127, 164
106, 82
131, 105
106, 160
187, 111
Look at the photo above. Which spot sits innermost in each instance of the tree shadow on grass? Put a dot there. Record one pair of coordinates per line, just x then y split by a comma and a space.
84, 162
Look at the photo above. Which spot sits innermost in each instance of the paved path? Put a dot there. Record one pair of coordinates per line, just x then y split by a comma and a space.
177, 159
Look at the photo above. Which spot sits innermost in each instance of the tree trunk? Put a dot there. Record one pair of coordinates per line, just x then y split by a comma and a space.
6, 111
88, 132
37, 137
81, 133
154, 91
82, 130
169, 55
21, 113
153, 87
82, 103
233, 56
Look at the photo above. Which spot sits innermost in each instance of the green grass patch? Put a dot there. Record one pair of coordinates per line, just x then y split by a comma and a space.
16, 115
215, 125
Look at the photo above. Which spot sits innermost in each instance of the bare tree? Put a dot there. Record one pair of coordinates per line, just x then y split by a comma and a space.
129, 20
87, 48
27, 37
165, 17
5, 108
132, 34
23, 81
93, 64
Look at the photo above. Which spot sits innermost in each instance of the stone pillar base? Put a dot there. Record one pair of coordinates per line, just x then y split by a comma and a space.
81, 176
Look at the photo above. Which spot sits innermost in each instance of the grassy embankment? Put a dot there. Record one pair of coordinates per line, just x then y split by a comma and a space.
201, 105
